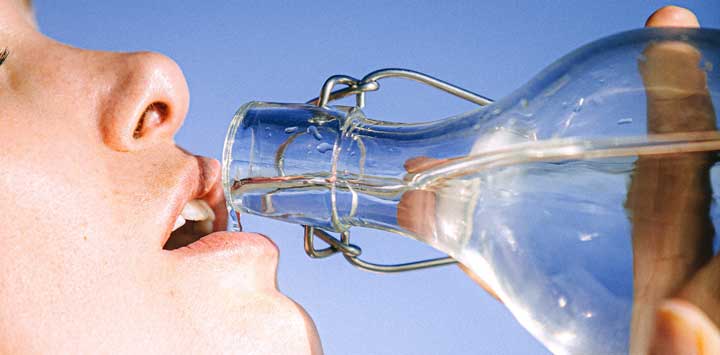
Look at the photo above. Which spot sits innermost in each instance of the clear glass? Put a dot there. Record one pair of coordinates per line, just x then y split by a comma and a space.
582, 199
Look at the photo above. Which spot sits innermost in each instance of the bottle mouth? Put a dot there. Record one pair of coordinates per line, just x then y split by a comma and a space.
273, 146
228, 147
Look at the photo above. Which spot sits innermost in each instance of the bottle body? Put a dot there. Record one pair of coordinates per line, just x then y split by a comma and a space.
527, 227
553, 195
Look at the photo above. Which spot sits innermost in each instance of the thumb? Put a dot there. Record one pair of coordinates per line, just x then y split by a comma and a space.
672, 16
670, 70
675, 83
682, 328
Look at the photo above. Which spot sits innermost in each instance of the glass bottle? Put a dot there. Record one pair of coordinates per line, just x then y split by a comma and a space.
567, 197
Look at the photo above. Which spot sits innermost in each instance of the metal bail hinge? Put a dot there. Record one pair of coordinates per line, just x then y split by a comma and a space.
357, 87
352, 252
370, 83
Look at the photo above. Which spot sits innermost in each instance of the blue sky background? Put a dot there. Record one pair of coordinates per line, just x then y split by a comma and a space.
237, 51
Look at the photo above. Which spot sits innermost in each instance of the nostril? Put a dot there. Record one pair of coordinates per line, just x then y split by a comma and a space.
145, 103
153, 116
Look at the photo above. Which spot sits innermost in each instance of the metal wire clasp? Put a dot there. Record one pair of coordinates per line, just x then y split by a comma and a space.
370, 83
358, 88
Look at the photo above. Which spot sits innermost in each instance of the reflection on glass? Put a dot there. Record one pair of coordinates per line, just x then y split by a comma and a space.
581, 200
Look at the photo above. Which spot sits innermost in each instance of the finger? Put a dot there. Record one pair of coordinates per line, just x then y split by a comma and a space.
669, 196
671, 69
669, 203
703, 289
418, 164
672, 16
416, 211
682, 328
479, 281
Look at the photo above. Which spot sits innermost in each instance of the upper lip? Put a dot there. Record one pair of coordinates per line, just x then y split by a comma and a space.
200, 179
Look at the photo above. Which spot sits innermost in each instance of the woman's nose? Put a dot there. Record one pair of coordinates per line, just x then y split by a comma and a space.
146, 102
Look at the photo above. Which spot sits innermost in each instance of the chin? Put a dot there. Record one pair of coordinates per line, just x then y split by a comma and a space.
261, 323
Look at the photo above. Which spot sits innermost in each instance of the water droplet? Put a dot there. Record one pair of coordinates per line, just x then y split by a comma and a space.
352, 154
269, 134
267, 128
290, 130
586, 237
314, 131
524, 103
626, 120
578, 107
324, 147
562, 302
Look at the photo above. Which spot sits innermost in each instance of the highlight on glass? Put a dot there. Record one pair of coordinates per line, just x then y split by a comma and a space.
582, 199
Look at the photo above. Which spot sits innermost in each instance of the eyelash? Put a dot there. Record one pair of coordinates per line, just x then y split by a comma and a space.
4, 53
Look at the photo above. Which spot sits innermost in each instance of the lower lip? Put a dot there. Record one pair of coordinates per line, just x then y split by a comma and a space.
240, 245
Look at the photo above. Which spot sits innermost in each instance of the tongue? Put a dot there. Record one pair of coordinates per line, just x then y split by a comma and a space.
189, 233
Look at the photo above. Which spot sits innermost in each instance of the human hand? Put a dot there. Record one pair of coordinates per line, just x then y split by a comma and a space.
669, 203
417, 208
672, 248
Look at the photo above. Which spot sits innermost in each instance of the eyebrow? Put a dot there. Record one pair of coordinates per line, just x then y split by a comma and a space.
4, 53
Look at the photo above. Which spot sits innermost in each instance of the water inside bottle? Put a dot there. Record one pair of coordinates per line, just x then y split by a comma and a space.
546, 224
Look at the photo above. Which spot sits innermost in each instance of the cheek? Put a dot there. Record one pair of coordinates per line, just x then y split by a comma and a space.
52, 191
54, 258
54, 261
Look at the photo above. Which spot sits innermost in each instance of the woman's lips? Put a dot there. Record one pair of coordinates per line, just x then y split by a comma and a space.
198, 206
241, 246
234, 261
227, 262
203, 182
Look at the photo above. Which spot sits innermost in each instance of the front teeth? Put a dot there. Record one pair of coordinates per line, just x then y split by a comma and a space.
179, 222
199, 211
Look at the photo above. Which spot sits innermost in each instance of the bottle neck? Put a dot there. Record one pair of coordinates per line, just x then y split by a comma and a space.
378, 163
334, 168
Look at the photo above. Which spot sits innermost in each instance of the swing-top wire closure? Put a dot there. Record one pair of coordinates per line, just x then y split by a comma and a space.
358, 88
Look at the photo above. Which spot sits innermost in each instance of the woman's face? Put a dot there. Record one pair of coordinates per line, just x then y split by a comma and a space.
91, 186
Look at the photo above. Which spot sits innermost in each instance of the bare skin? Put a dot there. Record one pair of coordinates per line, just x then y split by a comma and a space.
92, 277
91, 184
669, 196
